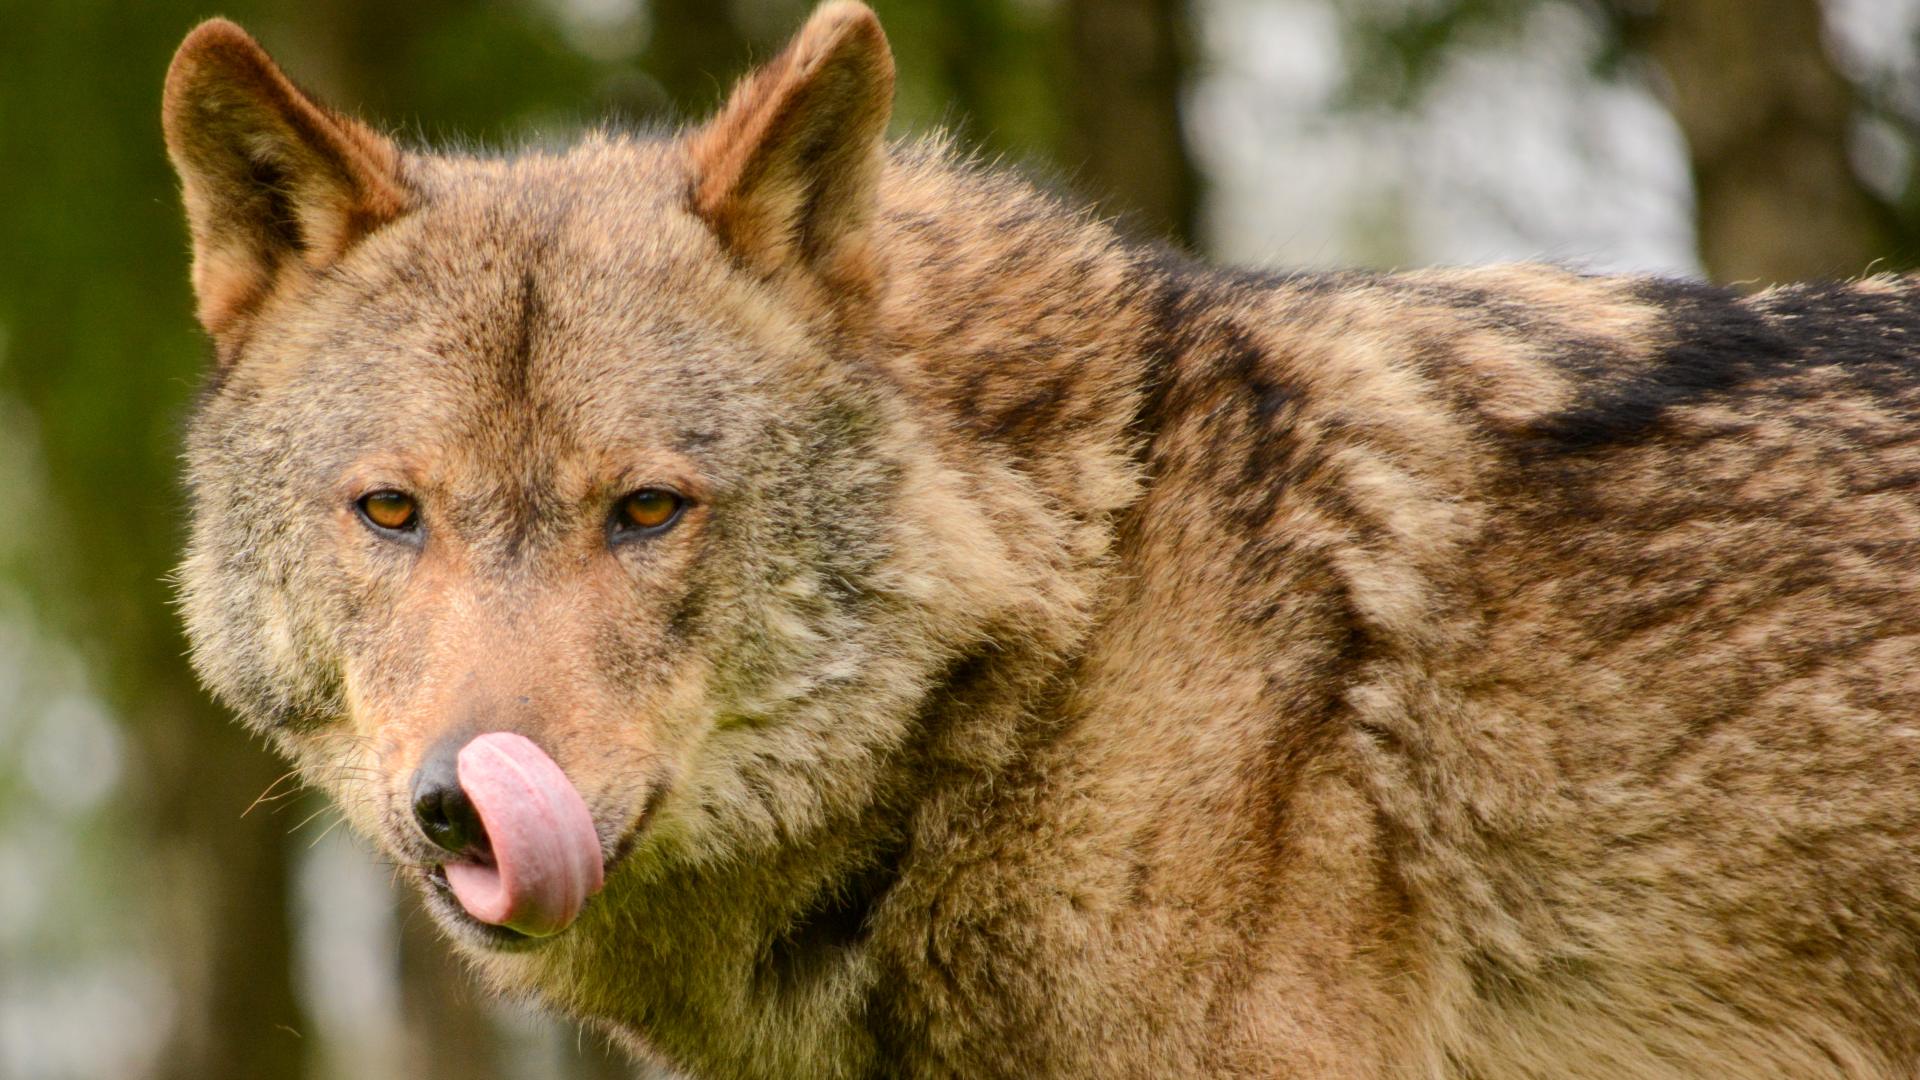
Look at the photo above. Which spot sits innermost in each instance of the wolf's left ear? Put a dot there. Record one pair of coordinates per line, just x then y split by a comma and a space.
787, 173
272, 180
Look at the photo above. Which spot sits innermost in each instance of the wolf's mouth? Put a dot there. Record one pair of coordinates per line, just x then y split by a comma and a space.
519, 845
444, 906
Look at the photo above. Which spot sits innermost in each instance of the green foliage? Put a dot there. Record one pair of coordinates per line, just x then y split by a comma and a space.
1395, 51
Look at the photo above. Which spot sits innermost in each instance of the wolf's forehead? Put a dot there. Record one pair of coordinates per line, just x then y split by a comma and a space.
606, 200
589, 237
572, 344
533, 272
562, 295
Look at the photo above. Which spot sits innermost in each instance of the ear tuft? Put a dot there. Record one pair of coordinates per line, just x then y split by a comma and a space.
787, 173
271, 179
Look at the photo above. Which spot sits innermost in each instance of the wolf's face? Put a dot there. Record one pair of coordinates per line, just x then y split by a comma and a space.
579, 450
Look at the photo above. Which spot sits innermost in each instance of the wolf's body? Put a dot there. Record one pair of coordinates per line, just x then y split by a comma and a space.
1072, 662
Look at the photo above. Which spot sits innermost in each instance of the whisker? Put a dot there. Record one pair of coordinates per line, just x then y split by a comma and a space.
337, 822
305, 821
267, 795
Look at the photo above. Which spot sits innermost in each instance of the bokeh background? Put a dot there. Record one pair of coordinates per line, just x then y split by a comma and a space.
152, 926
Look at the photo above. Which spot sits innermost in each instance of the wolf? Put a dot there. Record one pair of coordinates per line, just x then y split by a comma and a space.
812, 605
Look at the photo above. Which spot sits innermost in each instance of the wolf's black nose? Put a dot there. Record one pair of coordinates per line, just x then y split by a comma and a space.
443, 810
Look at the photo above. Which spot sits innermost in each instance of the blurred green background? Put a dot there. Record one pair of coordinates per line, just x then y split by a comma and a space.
149, 927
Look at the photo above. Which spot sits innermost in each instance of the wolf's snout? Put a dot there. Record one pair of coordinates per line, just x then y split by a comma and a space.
442, 808
526, 855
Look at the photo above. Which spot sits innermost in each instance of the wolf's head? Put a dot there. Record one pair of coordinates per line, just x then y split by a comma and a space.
549, 511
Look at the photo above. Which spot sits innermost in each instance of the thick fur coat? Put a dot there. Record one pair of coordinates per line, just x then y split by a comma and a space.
1068, 660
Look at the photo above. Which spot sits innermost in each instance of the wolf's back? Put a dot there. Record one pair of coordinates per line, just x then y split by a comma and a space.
1630, 577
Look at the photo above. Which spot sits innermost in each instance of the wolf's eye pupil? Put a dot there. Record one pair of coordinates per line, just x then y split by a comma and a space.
389, 509
649, 508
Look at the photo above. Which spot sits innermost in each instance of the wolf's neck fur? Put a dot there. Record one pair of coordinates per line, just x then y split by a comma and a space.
1027, 323
1042, 347
1113, 379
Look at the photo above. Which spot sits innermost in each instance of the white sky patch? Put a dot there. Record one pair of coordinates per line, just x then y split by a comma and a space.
1284, 182
1518, 152
1877, 39
349, 958
83, 1023
604, 30
1877, 44
73, 754
1522, 153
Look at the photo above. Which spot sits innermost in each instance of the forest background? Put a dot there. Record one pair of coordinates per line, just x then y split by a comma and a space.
150, 926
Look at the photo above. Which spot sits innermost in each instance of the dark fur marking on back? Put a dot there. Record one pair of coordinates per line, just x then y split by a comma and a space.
1715, 344
1182, 294
1171, 280
1869, 333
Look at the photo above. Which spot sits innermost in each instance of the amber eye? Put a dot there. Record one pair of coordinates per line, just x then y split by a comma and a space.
647, 510
389, 510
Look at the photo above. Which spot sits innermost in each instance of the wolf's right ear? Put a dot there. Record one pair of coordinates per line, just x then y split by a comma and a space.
787, 174
271, 179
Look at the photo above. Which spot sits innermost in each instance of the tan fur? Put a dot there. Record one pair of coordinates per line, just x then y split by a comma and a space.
1074, 662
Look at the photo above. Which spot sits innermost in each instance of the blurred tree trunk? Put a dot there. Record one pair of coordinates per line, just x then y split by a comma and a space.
594, 1058
977, 49
102, 351
1127, 63
1767, 119
449, 1030
696, 50
224, 905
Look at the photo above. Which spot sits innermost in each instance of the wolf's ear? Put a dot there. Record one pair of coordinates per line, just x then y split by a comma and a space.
787, 173
270, 177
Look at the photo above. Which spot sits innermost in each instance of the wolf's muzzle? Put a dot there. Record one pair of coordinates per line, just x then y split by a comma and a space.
525, 854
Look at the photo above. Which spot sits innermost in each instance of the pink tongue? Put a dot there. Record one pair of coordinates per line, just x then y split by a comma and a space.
546, 856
